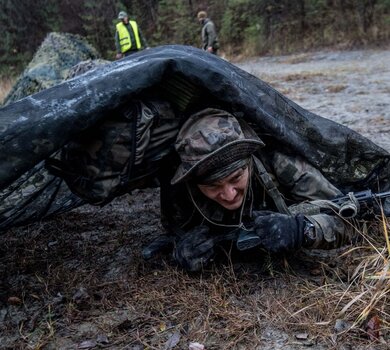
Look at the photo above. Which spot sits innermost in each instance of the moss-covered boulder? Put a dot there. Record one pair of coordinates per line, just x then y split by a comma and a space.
51, 64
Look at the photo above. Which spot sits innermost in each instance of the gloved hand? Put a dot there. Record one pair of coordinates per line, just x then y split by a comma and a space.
194, 249
279, 232
160, 244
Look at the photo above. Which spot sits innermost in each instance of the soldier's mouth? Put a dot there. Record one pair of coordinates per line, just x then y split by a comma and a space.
235, 202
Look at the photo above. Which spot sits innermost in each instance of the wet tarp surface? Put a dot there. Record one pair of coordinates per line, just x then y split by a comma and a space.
35, 127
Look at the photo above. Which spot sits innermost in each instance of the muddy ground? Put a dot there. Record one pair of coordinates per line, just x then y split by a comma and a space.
79, 281
352, 88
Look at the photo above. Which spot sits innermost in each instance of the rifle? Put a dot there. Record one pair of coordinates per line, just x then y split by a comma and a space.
355, 203
347, 206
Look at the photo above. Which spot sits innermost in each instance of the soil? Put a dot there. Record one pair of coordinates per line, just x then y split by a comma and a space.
79, 281
349, 87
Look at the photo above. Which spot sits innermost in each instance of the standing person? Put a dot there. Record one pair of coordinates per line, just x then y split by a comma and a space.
128, 36
227, 189
209, 33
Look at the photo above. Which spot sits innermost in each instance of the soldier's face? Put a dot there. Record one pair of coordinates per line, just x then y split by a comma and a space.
229, 192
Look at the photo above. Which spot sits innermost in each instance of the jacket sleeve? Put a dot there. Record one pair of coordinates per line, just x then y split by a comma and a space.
211, 34
303, 182
177, 212
144, 43
117, 45
330, 231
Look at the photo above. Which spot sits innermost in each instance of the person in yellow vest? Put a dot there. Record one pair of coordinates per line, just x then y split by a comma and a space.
128, 36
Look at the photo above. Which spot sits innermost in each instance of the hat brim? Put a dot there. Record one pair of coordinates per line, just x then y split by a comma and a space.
227, 154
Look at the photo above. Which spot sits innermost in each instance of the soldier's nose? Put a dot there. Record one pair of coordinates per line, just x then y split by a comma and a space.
228, 193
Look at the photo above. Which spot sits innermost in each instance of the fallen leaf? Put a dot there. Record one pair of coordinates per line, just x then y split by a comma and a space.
373, 327
172, 341
14, 301
316, 272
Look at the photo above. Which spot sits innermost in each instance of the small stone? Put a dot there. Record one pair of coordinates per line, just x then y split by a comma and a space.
102, 339
87, 344
341, 326
301, 336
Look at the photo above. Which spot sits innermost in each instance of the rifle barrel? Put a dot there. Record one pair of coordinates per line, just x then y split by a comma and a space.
381, 195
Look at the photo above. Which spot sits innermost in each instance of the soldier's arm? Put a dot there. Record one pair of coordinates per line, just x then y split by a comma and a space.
305, 182
302, 180
211, 34
117, 44
144, 43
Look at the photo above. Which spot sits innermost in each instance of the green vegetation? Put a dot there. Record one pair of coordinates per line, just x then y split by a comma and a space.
246, 27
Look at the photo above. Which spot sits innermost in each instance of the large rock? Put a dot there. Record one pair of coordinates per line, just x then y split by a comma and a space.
51, 64
37, 193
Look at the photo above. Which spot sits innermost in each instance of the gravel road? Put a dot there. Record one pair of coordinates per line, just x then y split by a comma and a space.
349, 87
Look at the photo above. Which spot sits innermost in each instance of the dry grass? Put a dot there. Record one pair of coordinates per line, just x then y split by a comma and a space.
80, 276
356, 293
334, 300
335, 88
297, 58
232, 305
302, 76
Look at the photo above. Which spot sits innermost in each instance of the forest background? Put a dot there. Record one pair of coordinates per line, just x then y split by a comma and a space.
246, 27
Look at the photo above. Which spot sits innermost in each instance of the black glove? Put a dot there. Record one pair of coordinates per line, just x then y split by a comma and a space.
279, 232
161, 244
194, 249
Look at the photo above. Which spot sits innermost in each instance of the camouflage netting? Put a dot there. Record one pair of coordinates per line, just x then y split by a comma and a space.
33, 128
37, 194
58, 53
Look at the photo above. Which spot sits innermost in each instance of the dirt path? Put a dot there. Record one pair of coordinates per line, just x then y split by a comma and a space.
79, 282
349, 87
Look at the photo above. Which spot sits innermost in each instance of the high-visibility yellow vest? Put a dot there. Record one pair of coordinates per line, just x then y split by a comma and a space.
124, 36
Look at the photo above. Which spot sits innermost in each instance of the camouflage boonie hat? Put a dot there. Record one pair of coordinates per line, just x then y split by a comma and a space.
122, 15
211, 139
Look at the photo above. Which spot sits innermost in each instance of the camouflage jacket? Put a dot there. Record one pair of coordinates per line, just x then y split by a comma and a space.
183, 206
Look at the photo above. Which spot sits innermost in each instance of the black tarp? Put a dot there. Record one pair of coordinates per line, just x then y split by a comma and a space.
35, 127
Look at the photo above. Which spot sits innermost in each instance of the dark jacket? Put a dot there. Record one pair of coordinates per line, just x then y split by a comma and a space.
209, 35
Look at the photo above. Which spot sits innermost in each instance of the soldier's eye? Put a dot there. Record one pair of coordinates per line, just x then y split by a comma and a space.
238, 176
209, 187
